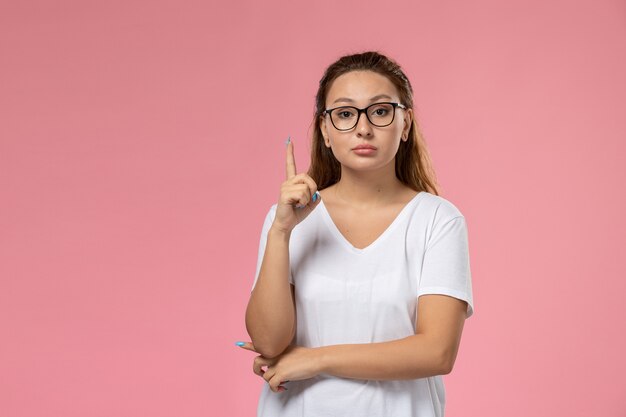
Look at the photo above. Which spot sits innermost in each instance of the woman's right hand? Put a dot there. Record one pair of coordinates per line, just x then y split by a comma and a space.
296, 196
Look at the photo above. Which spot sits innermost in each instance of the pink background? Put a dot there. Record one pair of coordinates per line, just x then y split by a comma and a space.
141, 144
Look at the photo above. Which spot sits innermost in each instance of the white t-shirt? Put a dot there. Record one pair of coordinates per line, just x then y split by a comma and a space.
350, 295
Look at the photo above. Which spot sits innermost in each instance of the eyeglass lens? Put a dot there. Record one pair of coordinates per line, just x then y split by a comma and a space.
380, 115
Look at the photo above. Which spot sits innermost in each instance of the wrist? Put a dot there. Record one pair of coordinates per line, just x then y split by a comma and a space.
279, 231
322, 359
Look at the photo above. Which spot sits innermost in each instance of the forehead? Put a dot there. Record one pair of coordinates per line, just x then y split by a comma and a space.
360, 86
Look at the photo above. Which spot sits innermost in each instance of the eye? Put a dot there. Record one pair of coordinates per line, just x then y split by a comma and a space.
381, 110
344, 113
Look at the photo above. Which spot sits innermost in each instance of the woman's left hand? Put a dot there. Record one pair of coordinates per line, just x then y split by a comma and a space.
294, 364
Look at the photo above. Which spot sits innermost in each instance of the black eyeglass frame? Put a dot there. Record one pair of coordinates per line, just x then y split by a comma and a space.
363, 110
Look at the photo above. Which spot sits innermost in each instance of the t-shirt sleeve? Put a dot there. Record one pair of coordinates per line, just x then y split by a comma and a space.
446, 266
267, 223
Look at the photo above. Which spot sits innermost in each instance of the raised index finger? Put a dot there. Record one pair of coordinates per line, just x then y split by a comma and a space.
291, 162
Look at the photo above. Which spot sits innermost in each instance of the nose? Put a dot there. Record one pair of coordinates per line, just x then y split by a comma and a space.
363, 125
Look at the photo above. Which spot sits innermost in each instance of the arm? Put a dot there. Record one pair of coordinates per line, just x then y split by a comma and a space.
430, 351
271, 312
270, 315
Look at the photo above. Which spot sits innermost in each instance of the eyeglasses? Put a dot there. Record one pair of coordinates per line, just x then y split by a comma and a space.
378, 114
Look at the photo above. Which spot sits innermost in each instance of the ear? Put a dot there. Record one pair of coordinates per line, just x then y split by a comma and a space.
323, 128
408, 119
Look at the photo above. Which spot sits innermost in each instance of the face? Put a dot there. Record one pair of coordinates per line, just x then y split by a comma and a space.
360, 89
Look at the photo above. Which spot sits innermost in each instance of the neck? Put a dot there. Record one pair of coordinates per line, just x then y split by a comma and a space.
368, 189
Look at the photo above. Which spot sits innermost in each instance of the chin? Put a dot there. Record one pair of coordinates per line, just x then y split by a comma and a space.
368, 166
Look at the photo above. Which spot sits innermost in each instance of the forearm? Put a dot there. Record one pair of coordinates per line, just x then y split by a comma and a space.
413, 357
270, 315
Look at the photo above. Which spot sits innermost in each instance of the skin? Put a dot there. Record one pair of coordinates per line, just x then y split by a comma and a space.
362, 204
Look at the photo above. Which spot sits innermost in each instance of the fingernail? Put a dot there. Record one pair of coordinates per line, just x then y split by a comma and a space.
315, 196
239, 343
287, 141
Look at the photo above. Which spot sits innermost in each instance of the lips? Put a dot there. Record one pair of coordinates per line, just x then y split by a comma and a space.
364, 150
364, 147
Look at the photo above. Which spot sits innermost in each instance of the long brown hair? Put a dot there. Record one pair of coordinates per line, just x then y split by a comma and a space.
413, 165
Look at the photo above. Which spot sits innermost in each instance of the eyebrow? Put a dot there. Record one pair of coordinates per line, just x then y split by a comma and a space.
349, 100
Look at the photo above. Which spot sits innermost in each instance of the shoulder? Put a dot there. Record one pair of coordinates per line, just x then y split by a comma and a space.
443, 222
439, 208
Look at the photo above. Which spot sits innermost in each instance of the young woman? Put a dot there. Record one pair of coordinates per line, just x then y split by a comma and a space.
363, 279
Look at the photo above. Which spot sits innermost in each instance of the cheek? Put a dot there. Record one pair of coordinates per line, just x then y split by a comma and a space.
337, 147
335, 140
399, 127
